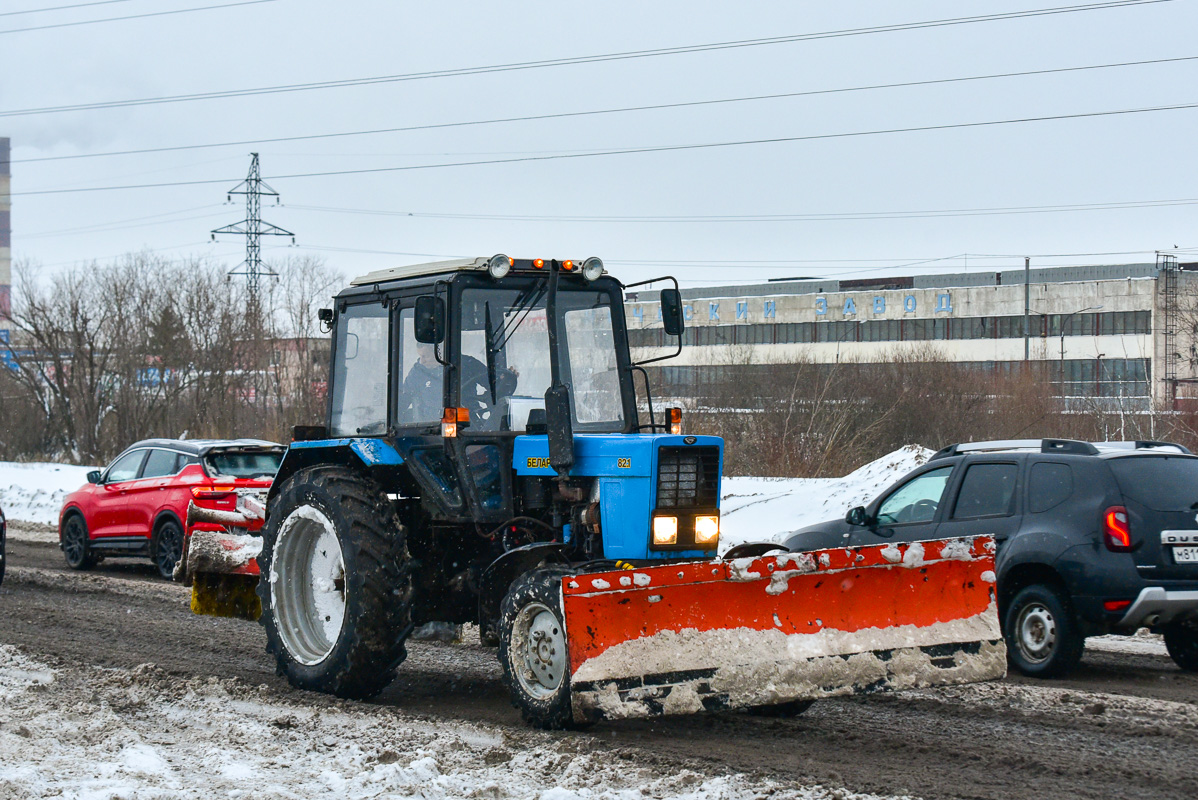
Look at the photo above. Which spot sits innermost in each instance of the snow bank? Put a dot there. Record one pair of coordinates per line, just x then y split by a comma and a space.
142, 734
34, 492
768, 509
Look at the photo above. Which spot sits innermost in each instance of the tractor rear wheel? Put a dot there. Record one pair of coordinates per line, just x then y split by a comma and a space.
532, 649
335, 588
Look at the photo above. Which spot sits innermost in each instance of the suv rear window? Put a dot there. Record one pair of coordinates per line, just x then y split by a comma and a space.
1162, 483
242, 464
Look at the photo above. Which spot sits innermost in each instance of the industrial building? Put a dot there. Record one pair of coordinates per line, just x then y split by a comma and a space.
1123, 332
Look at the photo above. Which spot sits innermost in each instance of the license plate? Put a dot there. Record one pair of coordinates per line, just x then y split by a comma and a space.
1185, 555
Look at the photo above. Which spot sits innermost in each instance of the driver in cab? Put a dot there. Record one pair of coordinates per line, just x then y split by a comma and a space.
422, 390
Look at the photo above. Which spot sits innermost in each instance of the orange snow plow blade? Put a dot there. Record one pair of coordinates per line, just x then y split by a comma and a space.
703, 636
220, 565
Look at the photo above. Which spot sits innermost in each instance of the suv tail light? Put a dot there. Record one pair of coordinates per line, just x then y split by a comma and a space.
1116, 534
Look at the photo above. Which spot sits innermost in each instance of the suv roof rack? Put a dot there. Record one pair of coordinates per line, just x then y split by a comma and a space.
1142, 444
1067, 446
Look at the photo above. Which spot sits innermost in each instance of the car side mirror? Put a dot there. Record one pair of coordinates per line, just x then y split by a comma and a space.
671, 312
430, 319
93, 476
857, 516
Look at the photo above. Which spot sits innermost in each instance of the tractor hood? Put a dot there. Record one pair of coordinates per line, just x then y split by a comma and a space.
639, 475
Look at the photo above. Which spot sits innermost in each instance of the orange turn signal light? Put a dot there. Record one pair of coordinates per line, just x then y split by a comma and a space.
539, 263
453, 419
675, 418
567, 265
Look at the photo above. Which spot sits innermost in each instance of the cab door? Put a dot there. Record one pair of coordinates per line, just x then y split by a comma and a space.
110, 501
987, 502
911, 512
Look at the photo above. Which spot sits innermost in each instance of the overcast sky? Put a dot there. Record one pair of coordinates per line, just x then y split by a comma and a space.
618, 207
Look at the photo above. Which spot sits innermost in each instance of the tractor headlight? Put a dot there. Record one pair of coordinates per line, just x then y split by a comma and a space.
707, 530
592, 268
665, 530
499, 266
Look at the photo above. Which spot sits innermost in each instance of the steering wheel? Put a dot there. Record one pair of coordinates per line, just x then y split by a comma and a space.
923, 510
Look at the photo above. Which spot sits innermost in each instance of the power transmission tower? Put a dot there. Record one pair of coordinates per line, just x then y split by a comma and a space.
252, 227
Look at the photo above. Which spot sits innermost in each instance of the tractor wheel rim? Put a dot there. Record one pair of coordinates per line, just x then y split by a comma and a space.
307, 585
1037, 633
539, 647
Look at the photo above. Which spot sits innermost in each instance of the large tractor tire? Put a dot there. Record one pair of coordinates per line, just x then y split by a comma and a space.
335, 588
532, 649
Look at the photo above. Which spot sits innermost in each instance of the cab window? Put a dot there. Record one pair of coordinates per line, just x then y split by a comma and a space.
421, 390
359, 402
916, 500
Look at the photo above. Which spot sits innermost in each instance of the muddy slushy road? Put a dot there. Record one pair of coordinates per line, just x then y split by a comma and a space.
1125, 725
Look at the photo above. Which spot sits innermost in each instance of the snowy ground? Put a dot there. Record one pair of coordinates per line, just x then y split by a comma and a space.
34, 492
84, 732
766, 509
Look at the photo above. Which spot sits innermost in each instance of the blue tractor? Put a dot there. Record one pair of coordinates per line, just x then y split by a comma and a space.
485, 460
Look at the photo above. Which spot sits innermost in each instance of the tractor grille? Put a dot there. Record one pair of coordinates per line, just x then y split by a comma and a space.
688, 477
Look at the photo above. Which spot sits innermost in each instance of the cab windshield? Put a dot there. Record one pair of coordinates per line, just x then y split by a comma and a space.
505, 357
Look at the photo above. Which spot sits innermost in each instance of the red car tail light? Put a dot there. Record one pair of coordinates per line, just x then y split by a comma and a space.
212, 492
1115, 605
1116, 534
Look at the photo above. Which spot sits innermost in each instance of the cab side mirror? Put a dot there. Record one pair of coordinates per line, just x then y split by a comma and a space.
430, 319
857, 516
671, 312
93, 476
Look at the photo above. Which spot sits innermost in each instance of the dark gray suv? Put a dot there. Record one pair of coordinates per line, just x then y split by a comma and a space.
1092, 538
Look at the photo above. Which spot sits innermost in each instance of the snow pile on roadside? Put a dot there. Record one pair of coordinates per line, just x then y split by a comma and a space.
144, 734
767, 509
1141, 643
34, 492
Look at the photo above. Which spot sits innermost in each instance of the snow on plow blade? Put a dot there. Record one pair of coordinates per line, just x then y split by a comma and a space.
220, 566
759, 631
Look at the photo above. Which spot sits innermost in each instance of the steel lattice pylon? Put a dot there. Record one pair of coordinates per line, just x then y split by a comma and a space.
252, 227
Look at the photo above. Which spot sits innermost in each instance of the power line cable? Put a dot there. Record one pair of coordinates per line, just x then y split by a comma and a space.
638, 150
128, 17
737, 218
60, 8
574, 60
621, 110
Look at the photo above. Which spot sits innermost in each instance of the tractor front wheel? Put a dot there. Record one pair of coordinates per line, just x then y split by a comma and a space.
335, 588
532, 649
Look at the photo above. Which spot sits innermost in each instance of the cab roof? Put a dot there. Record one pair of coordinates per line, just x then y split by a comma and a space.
431, 268
421, 270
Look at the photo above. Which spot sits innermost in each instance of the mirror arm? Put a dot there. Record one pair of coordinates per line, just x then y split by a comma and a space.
678, 350
437, 347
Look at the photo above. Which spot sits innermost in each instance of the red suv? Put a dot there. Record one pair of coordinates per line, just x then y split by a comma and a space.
138, 505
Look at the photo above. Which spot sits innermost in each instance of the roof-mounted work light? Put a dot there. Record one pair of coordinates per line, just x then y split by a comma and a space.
499, 265
592, 268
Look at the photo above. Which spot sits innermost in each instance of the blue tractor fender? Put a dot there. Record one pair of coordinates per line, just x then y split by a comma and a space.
360, 453
503, 571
